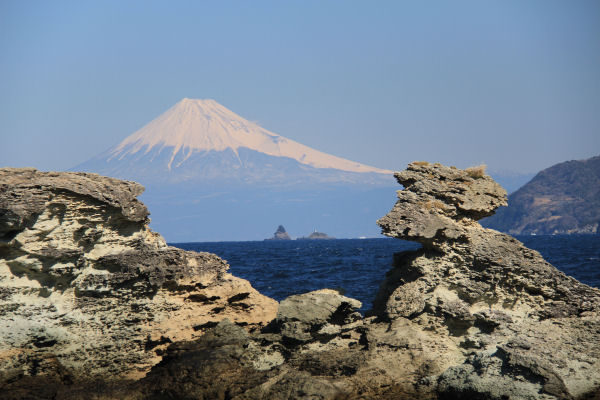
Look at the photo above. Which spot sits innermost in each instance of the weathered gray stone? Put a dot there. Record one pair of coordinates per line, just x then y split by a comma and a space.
318, 314
317, 307
472, 314
479, 290
86, 283
437, 199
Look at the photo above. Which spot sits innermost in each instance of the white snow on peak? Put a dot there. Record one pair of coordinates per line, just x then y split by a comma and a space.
203, 125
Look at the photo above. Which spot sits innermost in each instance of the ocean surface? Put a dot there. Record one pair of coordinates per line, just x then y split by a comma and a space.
279, 269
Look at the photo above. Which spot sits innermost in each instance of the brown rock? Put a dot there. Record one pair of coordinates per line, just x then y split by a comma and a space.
473, 314
86, 283
476, 291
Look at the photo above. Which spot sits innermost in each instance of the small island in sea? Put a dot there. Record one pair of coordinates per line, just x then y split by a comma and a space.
315, 235
280, 234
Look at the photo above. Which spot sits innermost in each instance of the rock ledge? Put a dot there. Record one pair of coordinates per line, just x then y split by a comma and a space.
88, 289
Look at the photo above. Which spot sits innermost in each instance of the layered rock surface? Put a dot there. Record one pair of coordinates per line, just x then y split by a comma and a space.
472, 314
88, 291
509, 324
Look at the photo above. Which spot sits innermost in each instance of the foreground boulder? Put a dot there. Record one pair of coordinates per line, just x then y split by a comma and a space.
302, 354
89, 292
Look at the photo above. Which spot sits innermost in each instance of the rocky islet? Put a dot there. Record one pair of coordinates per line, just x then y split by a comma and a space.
280, 234
472, 314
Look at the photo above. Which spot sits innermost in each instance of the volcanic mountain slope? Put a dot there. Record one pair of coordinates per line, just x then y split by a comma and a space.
213, 175
202, 141
562, 199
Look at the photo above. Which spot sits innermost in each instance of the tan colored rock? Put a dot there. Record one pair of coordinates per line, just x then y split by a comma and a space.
508, 317
83, 280
472, 314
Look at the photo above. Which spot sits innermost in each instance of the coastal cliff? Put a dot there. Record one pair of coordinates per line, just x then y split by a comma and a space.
88, 291
562, 199
473, 313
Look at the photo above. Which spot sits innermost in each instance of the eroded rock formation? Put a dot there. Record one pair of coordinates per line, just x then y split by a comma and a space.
502, 321
88, 290
472, 314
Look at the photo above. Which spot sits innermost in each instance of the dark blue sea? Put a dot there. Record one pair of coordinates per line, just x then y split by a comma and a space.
279, 269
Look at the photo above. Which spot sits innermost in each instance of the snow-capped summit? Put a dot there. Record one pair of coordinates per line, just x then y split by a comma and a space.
194, 126
200, 141
213, 175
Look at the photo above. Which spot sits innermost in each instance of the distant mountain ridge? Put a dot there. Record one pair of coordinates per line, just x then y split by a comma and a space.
562, 199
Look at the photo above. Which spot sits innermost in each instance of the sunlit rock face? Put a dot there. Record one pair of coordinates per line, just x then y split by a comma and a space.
86, 283
508, 323
472, 314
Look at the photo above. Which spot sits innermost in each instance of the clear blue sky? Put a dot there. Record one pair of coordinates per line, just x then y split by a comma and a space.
512, 83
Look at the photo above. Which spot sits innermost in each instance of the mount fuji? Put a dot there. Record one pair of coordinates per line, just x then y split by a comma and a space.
212, 175
202, 141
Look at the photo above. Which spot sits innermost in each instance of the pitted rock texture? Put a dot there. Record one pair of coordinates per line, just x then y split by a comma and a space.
318, 347
87, 287
473, 314
440, 203
304, 353
511, 324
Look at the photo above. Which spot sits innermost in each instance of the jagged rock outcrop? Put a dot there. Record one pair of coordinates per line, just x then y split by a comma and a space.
506, 323
472, 314
278, 363
88, 291
280, 234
